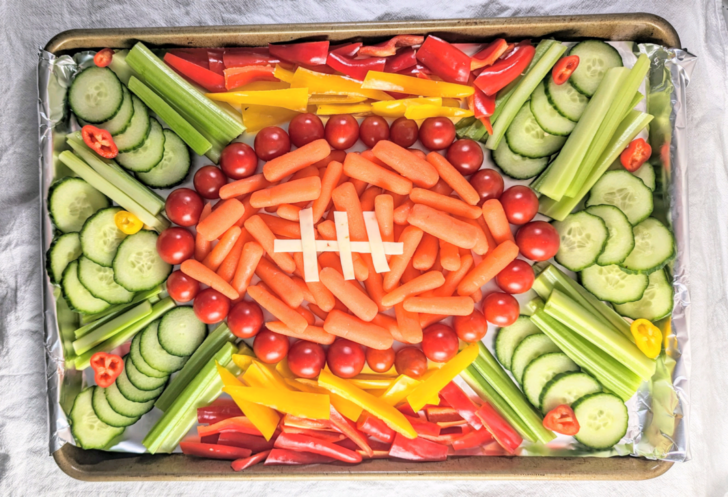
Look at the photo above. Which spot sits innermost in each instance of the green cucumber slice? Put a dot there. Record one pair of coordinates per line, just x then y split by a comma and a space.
583, 238
530, 348
567, 388
525, 136
106, 414
71, 201
137, 264
595, 59
100, 237
566, 100
88, 430
140, 380
63, 250
136, 133
174, 166
180, 332
78, 297
603, 420
136, 358
147, 156
509, 337
621, 239
547, 116
95, 94
124, 406
121, 121
654, 246
99, 281
542, 370
612, 284
517, 166
133, 393
624, 191
656, 303
155, 355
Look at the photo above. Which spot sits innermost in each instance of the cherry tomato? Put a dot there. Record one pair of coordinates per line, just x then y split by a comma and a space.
380, 361
471, 328
245, 319
211, 306
306, 359
488, 183
345, 358
238, 160
500, 309
183, 207
404, 132
175, 245
410, 361
271, 142
538, 240
516, 277
373, 129
181, 287
466, 155
208, 180
520, 204
437, 133
103, 57
342, 131
439, 343
270, 347
305, 128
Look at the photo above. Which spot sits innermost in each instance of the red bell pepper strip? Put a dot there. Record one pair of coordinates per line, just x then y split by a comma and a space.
482, 104
377, 454
503, 433
239, 424
475, 438
348, 428
235, 77
402, 60
390, 46
311, 424
438, 414
207, 79
446, 439
312, 53
406, 409
221, 409
444, 60
107, 367
561, 419
423, 427
564, 68
213, 451
487, 57
292, 457
346, 49
245, 441
486, 122
635, 154
499, 75
375, 427
241, 464
355, 68
417, 449
248, 56
210, 439
453, 395
103, 57
101, 142
197, 56
325, 436
306, 443
215, 60
415, 70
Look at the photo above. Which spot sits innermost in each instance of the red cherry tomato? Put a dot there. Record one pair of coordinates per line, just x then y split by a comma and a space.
488, 183
211, 306
208, 180
380, 361
500, 309
471, 328
103, 57
183, 207
245, 319
520, 204
410, 361
341, 131
439, 343
270, 347
404, 132
516, 277
181, 287
238, 160
305, 128
538, 240
373, 129
175, 245
437, 133
271, 142
306, 359
345, 358
466, 155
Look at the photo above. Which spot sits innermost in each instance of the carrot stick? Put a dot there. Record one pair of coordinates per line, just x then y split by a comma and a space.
493, 263
203, 246
299, 190
495, 218
346, 199
481, 243
264, 236
401, 213
408, 324
329, 181
250, 211
410, 237
443, 226
220, 219
282, 227
373, 284
409, 165
357, 167
222, 249
307, 315
280, 167
452, 280
426, 253
198, 271
450, 306
384, 210
421, 284
367, 198
279, 282
244, 186
307, 295
335, 155
289, 212
252, 253
352, 328
278, 308
444, 203
441, 187
449, 256
410, 273
226, 270
311, 333
452, 177
389, 324
350, 294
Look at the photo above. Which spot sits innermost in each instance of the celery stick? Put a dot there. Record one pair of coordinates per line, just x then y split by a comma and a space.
108, 330
120, 67
638, 97
532, 306
521, 93
196, 362
67, 323
92, 321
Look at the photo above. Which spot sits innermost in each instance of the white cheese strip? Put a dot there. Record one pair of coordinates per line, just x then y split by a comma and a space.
390, 248
375, 242
308, 245
342, 236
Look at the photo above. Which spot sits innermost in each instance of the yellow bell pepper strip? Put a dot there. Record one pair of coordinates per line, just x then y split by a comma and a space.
367, 382
270, 376
647, 337
305, 405
345, 407
400, 83
391, 416
441, 377
283, 74
334, 99
397, 108
257, 117
264, 86
243, 361
450, 102
334, 109
331, 84
392, 372
295, 99
127, 222
424, 111
399, 390
283, 370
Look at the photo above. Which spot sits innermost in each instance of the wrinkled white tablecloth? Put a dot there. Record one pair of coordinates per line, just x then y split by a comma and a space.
25, 466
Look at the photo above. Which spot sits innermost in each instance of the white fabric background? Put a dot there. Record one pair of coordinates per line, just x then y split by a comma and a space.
25, 466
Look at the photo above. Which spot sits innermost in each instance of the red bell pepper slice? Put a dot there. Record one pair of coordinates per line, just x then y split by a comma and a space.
402, 60
245, 463
499, 75
221, 409
312, 53
415, 70
475, 438
107, 367
207, 79
248, 56
346, 49
407, 410
448, 435
423, 427
564, 68
103, 57
375, 427
326, 436
311, 424
235, 77
482, 105
215, 60
348, 428
486, 122
561, 419
438, 414
197, 56
444, 60
210, 439
417, 449
292, 457
635, 154
239, 424
355, 68
453, 395
213, 451
487, 57
503, 433
304, 443
245, 441
390, 46
101, 142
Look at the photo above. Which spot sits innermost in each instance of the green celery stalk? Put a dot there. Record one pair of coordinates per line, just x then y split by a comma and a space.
108, 330
638, 97
120, 67
67, 323
532, 306
93, 321
195, 363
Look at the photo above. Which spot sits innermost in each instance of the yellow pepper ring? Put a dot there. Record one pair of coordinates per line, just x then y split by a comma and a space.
127, 222
647, 337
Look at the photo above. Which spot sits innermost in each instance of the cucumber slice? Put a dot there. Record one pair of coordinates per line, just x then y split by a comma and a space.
180, 332
525, 137
583, 238
133, 393
567, 388
510, 337
72, 201
656, 303
624, 191
136, 133
603, 420
99, 281
155, 355
541, 371
547, 116
174, 166
78, 297
100, 237
63, 250
88, 430
646, 173
612, 284
654, 246
139, 379
121, 121
135, 355
595, 59
530, 348
95, 94
124, 406
517, 166
147, 156
621, 239
566, 100
106, 414
137, 265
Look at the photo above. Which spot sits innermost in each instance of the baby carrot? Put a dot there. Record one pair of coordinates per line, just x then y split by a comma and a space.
202, 245
352, 328
330, 259
220, 219
350, 294
244, 186
477, 296
389, 324
384, 210
495, 218
419, 171
488, 235
307, 315
410, 237
299, 190
441, 187
327, 230
452, 280
280, 167
279, 282
359, 185
252, 253
311, 333
398, 229
222, 249
329, 181
226, 270
322, 297
452, 177
307, 295
250, 211
373, 284
444, 203
450, 306
449, 256
198, 271
356, 166
367, 198
318, 312
421, 284
426, 253
278, 308
408, 324
481, 243
493, 263
418, 153
306, 172
335, 155
369, 155
264, 236
346, 199
443, 226
281, 227
289, 212
410, 273
401, 213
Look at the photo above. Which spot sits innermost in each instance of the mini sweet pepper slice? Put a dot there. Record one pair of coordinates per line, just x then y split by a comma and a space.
491, 53
647, 337
417, 449
453, 395
504, 434
390, 46
400, 83
107, 367
209, 80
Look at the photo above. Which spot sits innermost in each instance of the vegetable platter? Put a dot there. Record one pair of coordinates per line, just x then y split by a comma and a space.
360, 254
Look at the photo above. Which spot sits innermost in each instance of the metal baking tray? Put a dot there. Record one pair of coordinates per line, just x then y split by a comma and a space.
93, 465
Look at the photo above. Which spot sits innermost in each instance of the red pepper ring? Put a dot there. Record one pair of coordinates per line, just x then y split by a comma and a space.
564, 68
100, 141
107, 367
103, 57
561, 419
635, 154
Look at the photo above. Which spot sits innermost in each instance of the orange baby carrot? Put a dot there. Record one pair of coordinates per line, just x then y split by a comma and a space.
278, 308
327, 230
221, 219
419, 171
244, 186
299, 190
477, 296
421, 284
346, 199
289, 212
250, 211
449, 256
359, 185
418, 153
444, 203
330, 259
350, 294
368, 155
352, 328
408, 324
329, 181
401, 213
410, 237
384, 211
367, 198
318, 312
307, 295
410, 273
252, 253
322, 297
441, 187
495, 218
361, 270
426, 253
450, 306
493, 263
280, 167
311, 333
453, 178
222, 249
307, 315
487, 233
264, 236
443, 226
481, 243
452, 280
398, 229
198, 271
202, 245
226, 270
373, 284
279, 282
389, 324
357, 167
281, 227
306, 172
335, 155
